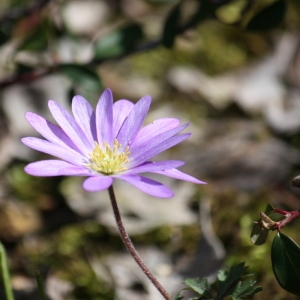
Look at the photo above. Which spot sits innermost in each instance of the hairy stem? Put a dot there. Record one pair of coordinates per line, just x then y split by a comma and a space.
130, 247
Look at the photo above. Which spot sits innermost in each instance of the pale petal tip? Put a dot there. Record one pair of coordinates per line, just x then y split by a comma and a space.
200, 182
23, 140
107, 93
29, 170
51, 103
28, 114
167, 196
78, 98
97, 183
146, 100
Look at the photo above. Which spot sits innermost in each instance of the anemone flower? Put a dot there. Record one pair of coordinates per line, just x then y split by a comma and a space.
107, 144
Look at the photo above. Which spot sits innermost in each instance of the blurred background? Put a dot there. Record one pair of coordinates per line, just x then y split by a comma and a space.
231, 68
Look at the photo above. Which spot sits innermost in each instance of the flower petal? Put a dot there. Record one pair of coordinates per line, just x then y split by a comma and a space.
55, 168
61, 152
97, 183
121, 110
149, 186
104, 118
70, 127
143, 151
174, 173
155, 140
157, 127
151, 166
146, 153
134, 121
85, 118
49, 131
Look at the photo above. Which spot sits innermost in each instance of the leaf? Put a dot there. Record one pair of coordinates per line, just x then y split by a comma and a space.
4, 271
296, 181
118, 42
285, 256
178, 296
40, 285
23, 69
245, 289
222, 275
259, 235
269, 17
200, 287
269, 209
225, 287
37, 41
171, 27
5, 32
81, 75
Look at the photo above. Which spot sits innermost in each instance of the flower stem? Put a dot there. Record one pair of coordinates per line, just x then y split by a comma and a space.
130, 247
5, 274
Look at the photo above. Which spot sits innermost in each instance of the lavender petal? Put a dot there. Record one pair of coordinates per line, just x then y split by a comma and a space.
149, 186
134, 121
70, 127
145, 154
97, 183
155, 140
121, 110
154, 129
174, 173
85, 117
61, 152
49, 131
48, 168
104, 118
151, 166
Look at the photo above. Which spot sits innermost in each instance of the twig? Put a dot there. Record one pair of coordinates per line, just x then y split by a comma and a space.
19, 12
33, 75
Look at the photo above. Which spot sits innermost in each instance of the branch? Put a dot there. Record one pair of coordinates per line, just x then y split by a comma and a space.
18, 12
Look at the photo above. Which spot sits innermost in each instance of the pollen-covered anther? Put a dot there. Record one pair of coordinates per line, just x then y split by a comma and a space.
108, 160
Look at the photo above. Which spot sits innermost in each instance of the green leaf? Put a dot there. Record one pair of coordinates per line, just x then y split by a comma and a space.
200, 287
245, 289
285, 256
225, 287
118, 42
81, 75
171, 27
269, 209
5, 32
269, 17
222, 275
178, 296
40, 285
4, 270
23, 69
38, 38
259, 235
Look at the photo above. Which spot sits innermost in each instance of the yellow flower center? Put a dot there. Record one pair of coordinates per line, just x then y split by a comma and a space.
107, 160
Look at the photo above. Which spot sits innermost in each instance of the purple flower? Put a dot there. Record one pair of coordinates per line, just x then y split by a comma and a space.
107, 144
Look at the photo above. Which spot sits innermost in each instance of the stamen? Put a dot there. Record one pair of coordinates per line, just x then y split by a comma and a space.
107, 160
